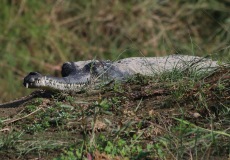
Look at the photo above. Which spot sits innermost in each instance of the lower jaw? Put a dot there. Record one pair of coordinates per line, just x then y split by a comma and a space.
64, 89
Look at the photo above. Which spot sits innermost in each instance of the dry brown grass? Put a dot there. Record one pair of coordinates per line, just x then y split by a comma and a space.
41, 35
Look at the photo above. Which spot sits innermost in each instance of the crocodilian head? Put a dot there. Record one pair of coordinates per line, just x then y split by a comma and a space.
93, 74
33, 80
71, 83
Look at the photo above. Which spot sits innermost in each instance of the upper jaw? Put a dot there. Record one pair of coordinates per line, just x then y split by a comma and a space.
32, 80
36, 80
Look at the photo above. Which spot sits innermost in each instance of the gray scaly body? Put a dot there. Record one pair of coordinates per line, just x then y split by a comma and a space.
79, 75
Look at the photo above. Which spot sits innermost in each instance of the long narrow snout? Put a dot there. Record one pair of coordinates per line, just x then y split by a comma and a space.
71, 83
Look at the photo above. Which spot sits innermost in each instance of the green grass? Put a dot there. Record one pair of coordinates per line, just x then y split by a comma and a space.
41, 35
161, 117
173, 115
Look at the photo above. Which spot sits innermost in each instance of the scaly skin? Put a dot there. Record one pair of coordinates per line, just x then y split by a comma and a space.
82, 74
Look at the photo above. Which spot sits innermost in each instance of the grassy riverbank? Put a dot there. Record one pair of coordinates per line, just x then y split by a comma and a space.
41, 35
174, 115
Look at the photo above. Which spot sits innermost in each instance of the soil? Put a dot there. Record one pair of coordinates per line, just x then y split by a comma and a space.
151, 105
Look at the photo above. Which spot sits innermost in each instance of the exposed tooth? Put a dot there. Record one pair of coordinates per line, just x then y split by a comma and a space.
27, 85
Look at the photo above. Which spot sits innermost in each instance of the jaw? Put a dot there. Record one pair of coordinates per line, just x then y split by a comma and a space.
89, 76
71, 83
32, 80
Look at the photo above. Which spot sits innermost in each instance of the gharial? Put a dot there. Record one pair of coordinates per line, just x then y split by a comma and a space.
79, 75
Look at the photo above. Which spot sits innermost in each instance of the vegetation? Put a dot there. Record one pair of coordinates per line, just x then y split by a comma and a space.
163, 117
174, 115
41, 35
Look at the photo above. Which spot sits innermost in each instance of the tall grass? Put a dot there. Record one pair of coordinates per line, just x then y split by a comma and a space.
41, 35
